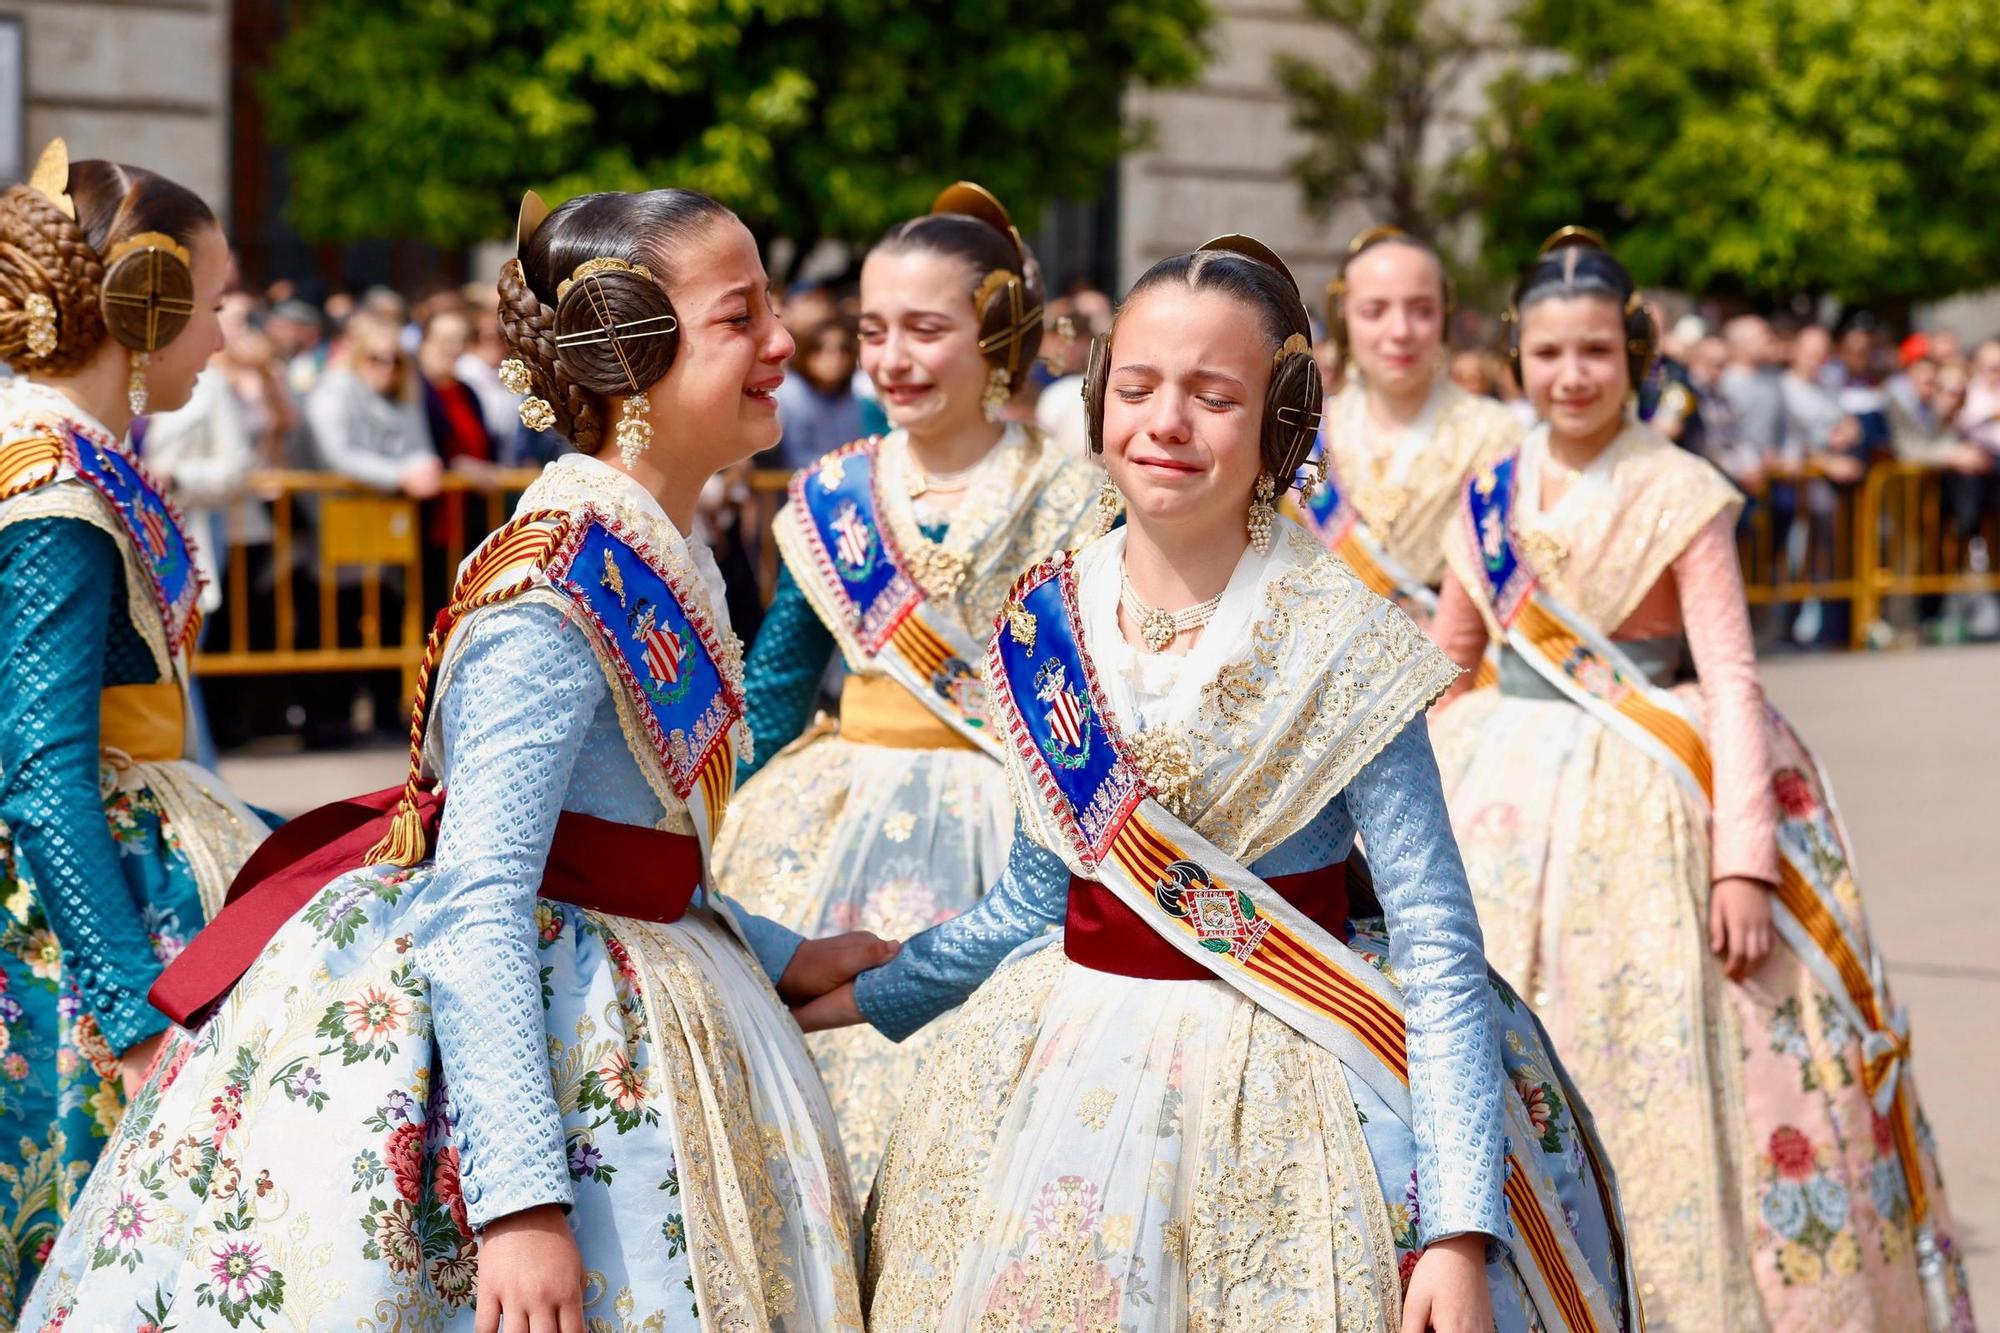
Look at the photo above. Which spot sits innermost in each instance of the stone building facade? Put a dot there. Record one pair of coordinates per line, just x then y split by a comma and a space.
133, 80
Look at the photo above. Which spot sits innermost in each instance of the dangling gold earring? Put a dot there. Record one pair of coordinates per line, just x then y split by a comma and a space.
1110, 503
999, 388
135, 384
1262, 513
635, 433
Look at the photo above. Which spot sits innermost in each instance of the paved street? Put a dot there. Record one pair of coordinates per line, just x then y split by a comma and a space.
1912, 740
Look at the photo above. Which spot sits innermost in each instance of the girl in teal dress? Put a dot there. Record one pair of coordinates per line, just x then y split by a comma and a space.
114, 849
898, 552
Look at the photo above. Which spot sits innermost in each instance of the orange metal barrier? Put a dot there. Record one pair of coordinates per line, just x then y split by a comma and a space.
1909, 546
350, 577
341, 584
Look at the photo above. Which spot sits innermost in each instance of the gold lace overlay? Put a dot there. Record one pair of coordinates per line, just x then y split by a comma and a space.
1613, 550
1232, 1190
1328, 674
1591, 877
1467, 433
729, 1157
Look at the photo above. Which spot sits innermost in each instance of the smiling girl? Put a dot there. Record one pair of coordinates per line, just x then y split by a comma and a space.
898, 552
523, 1068
1400, 438
1209, 1102
1658, 863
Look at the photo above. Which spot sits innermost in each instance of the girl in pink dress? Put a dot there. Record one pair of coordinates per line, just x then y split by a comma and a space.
1658, 864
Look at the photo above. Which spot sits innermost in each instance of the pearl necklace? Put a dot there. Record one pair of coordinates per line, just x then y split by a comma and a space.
1159, 628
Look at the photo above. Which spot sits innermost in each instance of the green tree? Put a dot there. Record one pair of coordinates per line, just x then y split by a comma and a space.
812, 118
1369, 130
1765, 147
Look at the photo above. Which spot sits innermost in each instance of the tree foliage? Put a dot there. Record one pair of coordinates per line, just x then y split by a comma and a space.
1369, 131
1766, 147
426, 118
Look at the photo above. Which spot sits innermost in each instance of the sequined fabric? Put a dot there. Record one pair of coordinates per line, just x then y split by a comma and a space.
1435, 952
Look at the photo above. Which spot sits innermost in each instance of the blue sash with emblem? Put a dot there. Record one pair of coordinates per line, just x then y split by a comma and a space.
860, 575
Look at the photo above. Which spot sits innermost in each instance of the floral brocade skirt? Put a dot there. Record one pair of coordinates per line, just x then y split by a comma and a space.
295, 1162
1762, 1189
834, 836
180, 838
1089, 1151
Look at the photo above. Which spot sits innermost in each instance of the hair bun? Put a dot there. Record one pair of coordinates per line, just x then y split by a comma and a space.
148, 293
616, 332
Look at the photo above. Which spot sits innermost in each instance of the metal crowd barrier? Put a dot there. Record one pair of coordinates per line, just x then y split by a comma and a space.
350, 578
346, 579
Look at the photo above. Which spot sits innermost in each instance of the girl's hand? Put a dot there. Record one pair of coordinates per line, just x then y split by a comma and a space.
530, 1274
835, 1009
1739, 925
135, 1062
1448, 1288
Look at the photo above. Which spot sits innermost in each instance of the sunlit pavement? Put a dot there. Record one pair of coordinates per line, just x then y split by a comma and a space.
1912, 741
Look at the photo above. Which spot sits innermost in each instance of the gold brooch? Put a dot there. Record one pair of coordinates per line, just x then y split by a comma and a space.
1021, 624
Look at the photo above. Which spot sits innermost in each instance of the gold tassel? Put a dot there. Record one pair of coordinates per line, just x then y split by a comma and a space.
405, 844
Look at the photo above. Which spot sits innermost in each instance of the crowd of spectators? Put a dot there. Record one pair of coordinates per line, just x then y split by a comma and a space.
395, 397
1796, 413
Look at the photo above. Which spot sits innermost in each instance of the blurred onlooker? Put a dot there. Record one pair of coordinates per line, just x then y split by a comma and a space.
1817, 429
452, 410
1973, 490
818, 409
1980, 417
464, 445
1944, 346
1065, 350
1469, 371
1708, 427
1753, 385
1857, 385
250, 364
202, 453
1905, 400
364, 413
294, 329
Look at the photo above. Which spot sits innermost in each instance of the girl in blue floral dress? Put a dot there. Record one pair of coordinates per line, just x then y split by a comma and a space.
113, 848
520, 1066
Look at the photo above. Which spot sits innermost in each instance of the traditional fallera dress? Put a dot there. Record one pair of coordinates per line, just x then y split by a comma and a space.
1771, 1151
1385, 510
898, 819
114, 848
1207, 1104
418, 1051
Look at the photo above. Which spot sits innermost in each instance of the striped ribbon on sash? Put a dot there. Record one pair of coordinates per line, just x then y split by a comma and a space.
834, 537
1212, 909
1594, 673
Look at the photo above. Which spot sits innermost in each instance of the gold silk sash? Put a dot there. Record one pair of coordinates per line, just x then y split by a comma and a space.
144, 723
879, 710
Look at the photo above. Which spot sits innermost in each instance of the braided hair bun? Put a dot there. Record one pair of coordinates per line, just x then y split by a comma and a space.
584, 304
54, 234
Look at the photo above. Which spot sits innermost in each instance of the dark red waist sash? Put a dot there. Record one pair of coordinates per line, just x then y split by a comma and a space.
594, 863
1105, 935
